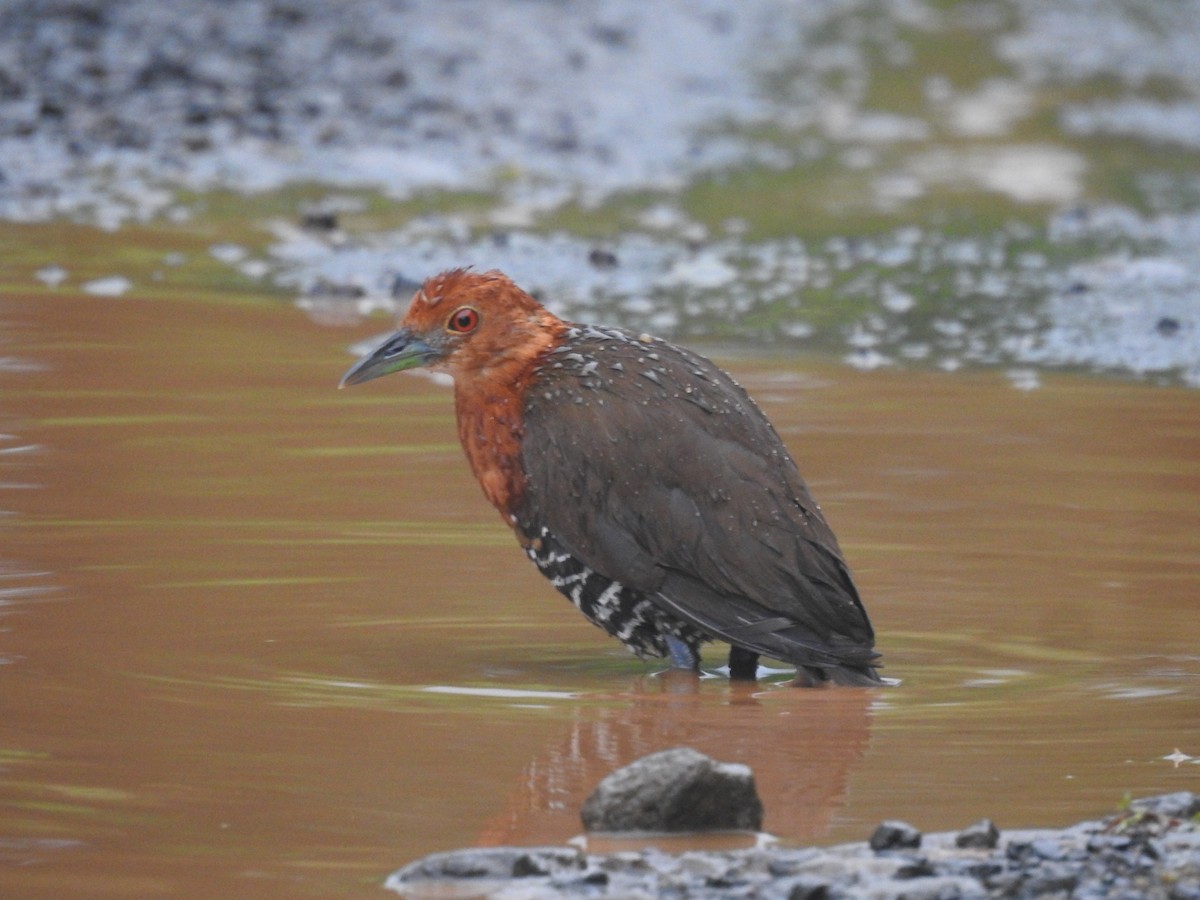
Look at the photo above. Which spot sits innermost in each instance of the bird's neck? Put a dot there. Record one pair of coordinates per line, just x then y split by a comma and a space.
489, 426
489, 401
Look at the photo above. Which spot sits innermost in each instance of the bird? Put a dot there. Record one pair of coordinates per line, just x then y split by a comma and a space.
640, 479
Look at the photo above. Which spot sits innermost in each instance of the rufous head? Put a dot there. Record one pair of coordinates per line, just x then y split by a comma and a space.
472, 325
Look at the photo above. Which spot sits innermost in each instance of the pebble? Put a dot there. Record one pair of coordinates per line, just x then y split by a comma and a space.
982, 835
894, 835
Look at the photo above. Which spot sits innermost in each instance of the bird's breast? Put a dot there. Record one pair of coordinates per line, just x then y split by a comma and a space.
489, 429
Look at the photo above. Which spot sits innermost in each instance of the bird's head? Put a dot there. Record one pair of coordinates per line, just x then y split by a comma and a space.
472, 325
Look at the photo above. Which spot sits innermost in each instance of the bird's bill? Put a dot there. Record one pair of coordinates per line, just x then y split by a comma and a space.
402, 350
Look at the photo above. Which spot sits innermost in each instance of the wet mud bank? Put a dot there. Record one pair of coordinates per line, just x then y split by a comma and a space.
1150, 850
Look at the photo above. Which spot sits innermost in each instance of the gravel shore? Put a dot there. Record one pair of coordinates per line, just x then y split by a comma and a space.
1148, 851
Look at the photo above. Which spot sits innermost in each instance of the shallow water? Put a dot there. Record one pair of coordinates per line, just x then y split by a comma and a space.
259, 637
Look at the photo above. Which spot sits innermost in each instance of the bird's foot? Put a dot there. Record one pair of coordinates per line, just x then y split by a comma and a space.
683, 655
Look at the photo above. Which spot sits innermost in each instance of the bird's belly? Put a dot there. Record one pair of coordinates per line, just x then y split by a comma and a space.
624, 612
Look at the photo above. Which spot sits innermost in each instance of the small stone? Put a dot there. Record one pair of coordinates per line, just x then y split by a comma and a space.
528, 865
980, 871
808, 888
1109, 843
1167, 326
490, 863
983, 835
895, 835
916, 867
603, 259
675, 790
1018, 851
319, 221
1047, 849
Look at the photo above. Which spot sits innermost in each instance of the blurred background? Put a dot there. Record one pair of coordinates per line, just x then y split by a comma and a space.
259, 637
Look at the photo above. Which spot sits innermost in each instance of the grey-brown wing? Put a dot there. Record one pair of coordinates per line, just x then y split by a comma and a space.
655, 469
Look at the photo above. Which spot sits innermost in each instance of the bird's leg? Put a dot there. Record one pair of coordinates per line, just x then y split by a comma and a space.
682, 655
743, 664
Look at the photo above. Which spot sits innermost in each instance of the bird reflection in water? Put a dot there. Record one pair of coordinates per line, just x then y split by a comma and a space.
803, 747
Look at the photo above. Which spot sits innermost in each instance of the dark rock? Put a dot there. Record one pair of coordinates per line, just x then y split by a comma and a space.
895, 835
808, 888
915, 867
1167, 326
51, 108
983, 835
603, 259
528, 865
628, 860
320, 221
675, 790
612, 35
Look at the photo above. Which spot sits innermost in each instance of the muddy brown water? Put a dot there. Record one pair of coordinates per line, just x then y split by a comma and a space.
263, 638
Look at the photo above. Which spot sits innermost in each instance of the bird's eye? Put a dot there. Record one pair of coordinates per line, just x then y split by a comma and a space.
463, 321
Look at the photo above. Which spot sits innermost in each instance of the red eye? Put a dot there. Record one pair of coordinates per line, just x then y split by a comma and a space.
463, 321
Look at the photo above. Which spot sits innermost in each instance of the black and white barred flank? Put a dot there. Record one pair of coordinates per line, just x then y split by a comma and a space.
623, 612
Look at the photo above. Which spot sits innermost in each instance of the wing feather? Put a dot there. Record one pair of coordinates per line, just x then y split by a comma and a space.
656, 469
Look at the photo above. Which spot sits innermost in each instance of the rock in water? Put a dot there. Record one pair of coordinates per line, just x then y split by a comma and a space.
675, 790
895, 835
